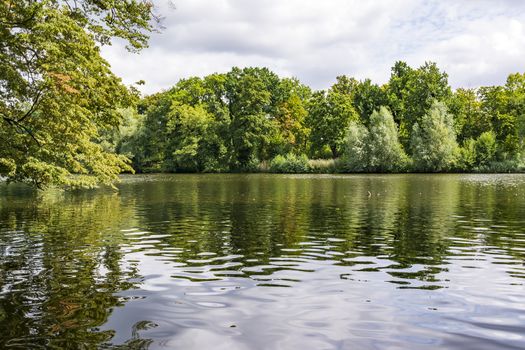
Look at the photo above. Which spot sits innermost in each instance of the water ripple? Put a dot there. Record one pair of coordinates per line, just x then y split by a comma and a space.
267, 262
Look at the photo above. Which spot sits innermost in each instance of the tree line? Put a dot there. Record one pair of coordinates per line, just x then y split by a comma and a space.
66, 119
250, 119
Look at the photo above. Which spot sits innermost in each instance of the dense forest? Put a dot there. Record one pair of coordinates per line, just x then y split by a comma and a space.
250, 119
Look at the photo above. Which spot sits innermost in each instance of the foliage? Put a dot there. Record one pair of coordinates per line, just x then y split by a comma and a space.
433, 142
411, 93
355, 157
515, 90
503, 166
57, 95
149, 144
192, 145
249, 96
329, 115
290, 163
66, 119
367, 97
485, 148
467, 155
505, 105
376, 148
469, 119
291, 115
383, 149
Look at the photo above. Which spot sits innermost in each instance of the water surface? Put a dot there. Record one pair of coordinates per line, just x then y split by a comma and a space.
266, 262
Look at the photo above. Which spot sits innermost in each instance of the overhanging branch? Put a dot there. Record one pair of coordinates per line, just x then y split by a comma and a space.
17, 125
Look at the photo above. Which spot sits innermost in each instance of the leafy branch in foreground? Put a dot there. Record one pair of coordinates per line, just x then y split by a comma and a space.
57, 94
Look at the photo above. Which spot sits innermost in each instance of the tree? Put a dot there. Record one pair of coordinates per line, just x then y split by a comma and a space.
367, 98
376, 148
149, 144
291, 115
344, 85
433, 140
249, 96
115, 140
329, 116
57, 95
485, 148
411, 93
515, 88
183, 129
192, 141
469, 119
506, 106
354, 156
383, 150
495, 104
399, 88
467, 155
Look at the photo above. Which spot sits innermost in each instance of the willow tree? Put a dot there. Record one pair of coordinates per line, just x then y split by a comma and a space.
383, 148
433, 141
57, 94
376, 148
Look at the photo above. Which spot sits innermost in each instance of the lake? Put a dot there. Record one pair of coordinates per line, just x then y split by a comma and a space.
255, 261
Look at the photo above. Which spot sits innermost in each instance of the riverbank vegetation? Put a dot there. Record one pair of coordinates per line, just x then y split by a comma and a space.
250, 120
67, 119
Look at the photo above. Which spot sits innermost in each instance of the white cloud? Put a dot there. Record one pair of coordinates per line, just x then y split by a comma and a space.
476, 42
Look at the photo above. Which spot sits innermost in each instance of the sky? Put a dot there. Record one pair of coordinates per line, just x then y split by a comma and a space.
477, 42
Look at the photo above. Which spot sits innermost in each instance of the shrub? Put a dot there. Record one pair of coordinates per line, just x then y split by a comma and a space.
505, 166
290, 163
485, 148
467, 156
251, 166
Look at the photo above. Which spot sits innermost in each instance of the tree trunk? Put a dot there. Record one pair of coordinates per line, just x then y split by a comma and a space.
333, 148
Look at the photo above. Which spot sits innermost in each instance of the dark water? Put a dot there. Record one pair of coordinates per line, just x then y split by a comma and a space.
266, 262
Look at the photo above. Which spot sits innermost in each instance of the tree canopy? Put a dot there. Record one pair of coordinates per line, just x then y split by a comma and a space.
252, 120
57, 94
433, 142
